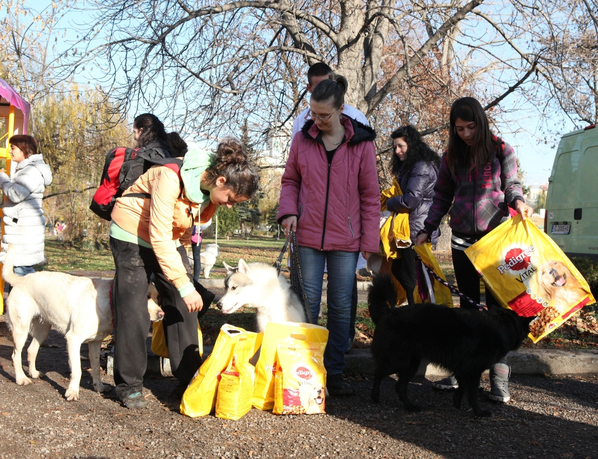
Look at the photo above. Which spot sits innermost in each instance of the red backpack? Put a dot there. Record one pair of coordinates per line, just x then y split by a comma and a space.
121, 168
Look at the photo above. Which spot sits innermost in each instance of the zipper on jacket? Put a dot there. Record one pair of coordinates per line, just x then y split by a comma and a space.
326, 207
351, 227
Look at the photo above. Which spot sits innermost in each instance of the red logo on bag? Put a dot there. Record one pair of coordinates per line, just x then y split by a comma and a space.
303, 373
517, 259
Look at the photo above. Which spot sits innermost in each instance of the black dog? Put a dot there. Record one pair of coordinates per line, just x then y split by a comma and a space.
464, 341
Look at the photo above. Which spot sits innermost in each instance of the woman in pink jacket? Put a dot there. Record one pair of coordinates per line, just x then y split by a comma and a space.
331, 198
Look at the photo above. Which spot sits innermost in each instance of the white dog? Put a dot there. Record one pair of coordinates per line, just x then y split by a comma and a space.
77, 307
208, 259
258, 285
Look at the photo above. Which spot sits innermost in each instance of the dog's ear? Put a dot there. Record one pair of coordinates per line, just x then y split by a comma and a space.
244, 267
229, 269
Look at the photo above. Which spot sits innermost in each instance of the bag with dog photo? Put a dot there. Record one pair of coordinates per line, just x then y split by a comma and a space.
528, 273
200, 397
265, 369
300, 381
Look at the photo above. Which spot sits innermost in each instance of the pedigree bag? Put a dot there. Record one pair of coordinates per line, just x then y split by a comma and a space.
235, 390
200, 397
528, 273
265, 369
300, 381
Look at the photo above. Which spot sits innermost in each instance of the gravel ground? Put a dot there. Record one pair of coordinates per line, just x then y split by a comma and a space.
546, 418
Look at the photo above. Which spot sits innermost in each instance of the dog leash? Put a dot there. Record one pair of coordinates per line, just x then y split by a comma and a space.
296, 273
450, 287
278, 263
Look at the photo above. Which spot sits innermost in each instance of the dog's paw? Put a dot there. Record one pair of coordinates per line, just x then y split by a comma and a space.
99, 387
24, 381
34, 374
72, 394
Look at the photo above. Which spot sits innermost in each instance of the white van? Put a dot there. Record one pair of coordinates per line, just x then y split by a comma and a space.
572, 201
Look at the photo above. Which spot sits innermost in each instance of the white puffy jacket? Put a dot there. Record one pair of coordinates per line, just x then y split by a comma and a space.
24, 222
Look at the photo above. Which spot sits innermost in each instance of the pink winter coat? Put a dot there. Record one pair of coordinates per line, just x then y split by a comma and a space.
338, 206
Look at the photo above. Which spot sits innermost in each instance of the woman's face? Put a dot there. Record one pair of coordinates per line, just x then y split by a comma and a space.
221, 195
16, 154
324, 114
467, 130
137, 133
400, 148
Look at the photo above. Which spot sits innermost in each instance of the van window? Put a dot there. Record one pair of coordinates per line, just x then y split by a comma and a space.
566, 171
587, 175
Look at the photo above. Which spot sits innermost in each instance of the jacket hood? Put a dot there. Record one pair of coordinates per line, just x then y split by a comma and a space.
195, 163
37, 161
356, 132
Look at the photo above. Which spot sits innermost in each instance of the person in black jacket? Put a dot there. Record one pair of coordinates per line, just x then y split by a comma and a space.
415, 165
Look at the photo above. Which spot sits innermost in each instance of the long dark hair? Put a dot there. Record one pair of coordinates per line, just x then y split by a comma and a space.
232, 163
482, 149
152, 130
417, 150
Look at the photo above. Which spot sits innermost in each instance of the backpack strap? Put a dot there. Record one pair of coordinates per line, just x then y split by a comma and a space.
173, 164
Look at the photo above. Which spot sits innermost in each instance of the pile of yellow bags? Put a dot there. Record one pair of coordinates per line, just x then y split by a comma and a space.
289, 376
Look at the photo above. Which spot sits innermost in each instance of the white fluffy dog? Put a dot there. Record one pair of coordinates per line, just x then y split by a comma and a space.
258, 285
208, 259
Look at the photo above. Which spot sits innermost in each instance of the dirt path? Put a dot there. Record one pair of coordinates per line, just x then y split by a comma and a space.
546, 418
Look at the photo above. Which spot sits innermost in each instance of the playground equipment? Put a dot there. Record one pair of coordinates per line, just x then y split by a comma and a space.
14, 118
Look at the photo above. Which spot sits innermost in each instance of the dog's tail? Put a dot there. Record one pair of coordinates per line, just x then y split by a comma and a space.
381, 297
8, 273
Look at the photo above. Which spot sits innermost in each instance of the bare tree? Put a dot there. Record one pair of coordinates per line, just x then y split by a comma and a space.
210, 65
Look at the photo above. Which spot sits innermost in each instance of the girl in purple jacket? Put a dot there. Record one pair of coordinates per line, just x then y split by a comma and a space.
478, 183
331, 198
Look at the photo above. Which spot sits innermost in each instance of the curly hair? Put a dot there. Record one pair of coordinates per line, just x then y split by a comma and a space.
417, 150
152, 130
232, 163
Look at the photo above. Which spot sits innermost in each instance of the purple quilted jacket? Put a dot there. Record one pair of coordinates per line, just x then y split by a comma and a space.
478, 200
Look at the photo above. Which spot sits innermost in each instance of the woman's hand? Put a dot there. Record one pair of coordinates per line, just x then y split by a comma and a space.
289, 224
523, 209
367, 255
421, 239
193, 301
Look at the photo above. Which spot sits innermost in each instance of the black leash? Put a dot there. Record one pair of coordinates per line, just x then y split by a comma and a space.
296, 273
450, 287
278, 263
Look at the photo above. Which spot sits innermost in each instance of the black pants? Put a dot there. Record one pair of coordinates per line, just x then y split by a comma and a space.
403, 269
468, 282
134, 266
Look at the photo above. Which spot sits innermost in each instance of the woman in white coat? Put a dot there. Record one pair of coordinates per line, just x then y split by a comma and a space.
24, 222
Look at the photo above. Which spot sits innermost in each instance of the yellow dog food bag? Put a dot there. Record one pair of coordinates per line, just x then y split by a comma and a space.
300, 381
235, 390
200, 397
528, 273
265, 369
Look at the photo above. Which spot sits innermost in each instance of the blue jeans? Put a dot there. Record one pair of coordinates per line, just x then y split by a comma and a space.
341, 278
22, 271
